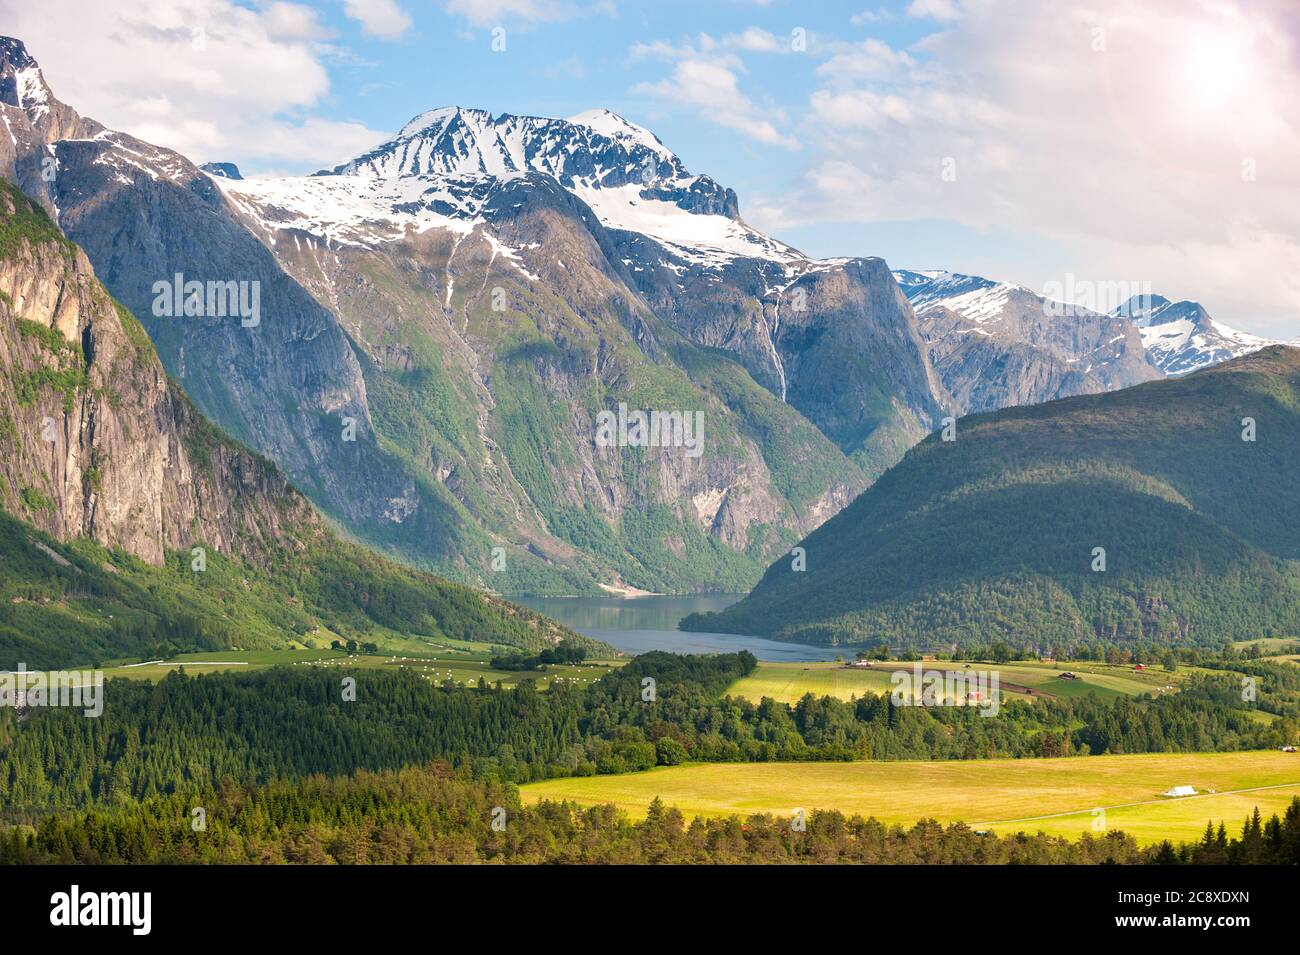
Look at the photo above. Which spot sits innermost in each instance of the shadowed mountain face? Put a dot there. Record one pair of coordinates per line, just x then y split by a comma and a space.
1160, 512
137, 528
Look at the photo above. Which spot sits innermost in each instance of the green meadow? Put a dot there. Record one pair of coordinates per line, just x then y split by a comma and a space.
458, 666
787, 682
1056, 796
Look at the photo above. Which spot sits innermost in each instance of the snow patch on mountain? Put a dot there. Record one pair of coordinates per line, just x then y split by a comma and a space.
33, 94
1181, 337
615, 127
439, 171
701, 238
356, 210
973, 297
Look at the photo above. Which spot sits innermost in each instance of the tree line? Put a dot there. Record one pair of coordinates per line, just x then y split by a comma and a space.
435, 814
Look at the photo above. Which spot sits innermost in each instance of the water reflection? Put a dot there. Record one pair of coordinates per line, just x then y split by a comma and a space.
640, 624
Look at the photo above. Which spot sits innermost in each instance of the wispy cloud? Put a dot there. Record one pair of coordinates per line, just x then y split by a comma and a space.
381, 18
1159, 142
706, 79
208, 78
935, 9
485, 13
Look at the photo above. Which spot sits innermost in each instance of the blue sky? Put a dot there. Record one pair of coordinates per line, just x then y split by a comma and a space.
593, 57
1074, 143
561, 68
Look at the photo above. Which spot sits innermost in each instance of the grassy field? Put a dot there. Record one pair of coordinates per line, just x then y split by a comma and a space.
1000, 795
787, 682
460, 667
1267, 644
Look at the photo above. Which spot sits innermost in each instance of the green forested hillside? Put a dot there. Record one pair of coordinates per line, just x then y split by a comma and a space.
77, 603
993, 536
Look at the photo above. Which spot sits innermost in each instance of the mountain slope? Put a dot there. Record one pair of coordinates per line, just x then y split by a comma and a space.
117, 486
1181, 337
482, 267
996, 344
992, 536
411, 294
989, 338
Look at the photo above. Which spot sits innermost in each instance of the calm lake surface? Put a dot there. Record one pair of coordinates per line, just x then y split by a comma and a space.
640, 624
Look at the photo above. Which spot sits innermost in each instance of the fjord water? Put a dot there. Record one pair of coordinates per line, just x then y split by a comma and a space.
641, 624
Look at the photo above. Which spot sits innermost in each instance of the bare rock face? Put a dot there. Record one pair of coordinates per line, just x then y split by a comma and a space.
501, 342
998, 345
97, 441
284, 381
835, 339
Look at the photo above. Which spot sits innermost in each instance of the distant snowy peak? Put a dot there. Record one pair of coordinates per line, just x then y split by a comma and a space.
932, 286
595, 150
1140, 309
445, 164
973, 297
21, 82
1181, 337
226, 170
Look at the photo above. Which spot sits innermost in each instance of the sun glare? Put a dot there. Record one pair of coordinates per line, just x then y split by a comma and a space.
1214, 68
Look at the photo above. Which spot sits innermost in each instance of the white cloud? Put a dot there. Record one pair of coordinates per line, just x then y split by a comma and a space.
871, 59
1121, 131
208, 78
482, 13
860, 109
710, 87
935, 9
293, 21
870, 16
758, 40
381, 18
705, 79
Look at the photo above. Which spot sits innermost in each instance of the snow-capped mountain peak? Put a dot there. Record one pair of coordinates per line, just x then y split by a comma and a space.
443, 166
608, 123
1140, 308
1181, 337
970, 295
597, 149
21, 82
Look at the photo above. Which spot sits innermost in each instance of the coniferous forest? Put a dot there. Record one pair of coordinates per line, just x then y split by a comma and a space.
434, 814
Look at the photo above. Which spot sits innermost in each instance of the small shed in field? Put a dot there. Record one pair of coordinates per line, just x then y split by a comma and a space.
1180, 791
